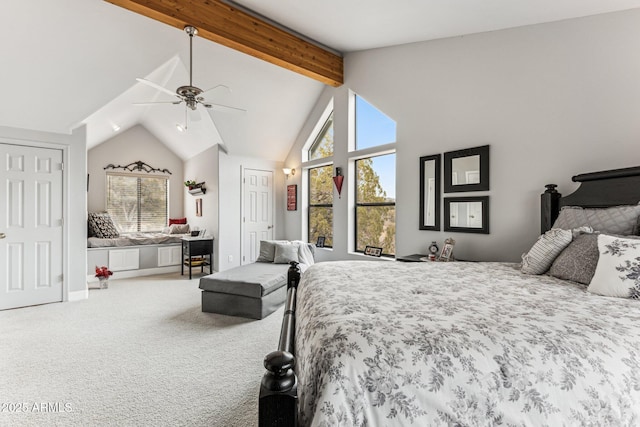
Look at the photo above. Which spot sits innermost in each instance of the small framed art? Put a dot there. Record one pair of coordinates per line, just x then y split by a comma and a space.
373, 251
292, 197
320, 242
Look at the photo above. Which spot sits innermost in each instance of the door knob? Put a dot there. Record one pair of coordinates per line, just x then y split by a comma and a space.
270, 227
2, 235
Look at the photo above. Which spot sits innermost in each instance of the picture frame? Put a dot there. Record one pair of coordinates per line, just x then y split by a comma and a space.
466, 170
320, 242
373, 251
466, 214
447, 251
292, 197
430, 192
199, 207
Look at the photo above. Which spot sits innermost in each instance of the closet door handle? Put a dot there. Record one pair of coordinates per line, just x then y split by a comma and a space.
2, 235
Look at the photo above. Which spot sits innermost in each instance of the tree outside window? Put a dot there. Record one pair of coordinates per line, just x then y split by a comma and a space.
137, 203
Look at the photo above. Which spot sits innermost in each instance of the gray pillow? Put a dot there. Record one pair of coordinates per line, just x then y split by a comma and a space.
285, 253
578, 261
622, 220
268, 250
179, 229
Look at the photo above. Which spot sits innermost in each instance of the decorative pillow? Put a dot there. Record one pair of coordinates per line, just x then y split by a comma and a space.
615, 220
285, 253
101, 225
268, 250
578, 261
179, 229
545, 250
618, 270
177, 221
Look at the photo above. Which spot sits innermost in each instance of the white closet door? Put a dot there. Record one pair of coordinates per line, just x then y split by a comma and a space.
30, 226
258, 212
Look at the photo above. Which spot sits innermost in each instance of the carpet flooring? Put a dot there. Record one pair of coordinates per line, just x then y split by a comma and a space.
140, 353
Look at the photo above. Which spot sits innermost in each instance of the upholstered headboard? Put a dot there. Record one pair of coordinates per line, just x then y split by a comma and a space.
597, 190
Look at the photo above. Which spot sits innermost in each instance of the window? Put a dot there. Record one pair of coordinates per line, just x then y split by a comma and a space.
376, 203
323, 144
137, 203
375, 179
373, 127
321, 204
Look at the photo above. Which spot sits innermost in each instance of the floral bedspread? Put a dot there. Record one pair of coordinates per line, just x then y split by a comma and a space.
477, 344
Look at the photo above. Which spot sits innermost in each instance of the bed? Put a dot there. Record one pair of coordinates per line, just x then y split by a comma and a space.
464, 343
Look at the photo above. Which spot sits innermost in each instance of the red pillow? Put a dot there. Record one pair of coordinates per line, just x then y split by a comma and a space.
177, 221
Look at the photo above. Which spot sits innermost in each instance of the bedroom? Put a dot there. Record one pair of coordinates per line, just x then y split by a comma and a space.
542, 96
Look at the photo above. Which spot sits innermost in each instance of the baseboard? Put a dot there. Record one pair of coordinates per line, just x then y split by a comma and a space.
78, 295
139, 273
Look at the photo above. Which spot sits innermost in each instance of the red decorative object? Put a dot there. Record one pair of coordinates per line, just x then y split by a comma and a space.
177, 221
337, 180
103, 272
292, 197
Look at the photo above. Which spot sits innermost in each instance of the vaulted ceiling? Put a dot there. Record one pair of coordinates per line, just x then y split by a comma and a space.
67, 62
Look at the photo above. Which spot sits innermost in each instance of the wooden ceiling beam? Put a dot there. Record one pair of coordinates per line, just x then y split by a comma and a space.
231, 27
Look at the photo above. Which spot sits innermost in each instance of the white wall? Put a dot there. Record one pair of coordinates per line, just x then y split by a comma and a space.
204, 167
230, 196
74, 148
130, 146
552, 100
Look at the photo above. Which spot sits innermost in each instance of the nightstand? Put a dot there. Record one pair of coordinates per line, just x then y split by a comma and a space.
196, 252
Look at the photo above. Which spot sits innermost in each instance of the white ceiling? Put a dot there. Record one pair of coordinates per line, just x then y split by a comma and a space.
67, 62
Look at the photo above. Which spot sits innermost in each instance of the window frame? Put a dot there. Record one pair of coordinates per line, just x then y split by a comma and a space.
319, 205
366, 204
139, 177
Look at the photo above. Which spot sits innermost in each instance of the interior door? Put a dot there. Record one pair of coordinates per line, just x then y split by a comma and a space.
258, 212
30, 226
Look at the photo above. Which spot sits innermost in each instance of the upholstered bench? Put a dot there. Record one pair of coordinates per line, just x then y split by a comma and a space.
252, 290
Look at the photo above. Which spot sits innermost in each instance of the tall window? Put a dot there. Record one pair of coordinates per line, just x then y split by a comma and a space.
375, 179
137, 203
321, 186
321, 204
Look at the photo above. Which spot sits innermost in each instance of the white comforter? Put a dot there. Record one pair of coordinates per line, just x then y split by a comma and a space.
478, 344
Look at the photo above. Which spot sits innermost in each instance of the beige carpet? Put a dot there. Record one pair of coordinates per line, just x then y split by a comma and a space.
139, 353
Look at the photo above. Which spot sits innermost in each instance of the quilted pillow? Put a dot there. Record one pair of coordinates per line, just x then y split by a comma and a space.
545, 250
618, 270
578, 261
285, 253
101, 225
621, 220
177, 221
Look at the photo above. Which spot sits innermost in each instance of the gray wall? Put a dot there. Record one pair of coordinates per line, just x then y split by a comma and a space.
204, 167
552, 100
130, 146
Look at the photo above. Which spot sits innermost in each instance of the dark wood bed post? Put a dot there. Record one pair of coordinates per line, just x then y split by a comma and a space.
549, 207
278, 403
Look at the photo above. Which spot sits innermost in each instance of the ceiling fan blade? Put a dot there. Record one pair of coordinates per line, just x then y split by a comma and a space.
216, 87
156, 86
223, 108
157, 103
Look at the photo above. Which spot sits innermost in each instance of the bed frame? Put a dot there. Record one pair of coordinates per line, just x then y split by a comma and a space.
278, 404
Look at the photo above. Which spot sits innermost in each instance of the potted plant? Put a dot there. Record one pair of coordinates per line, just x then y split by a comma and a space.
103, 273
190, 184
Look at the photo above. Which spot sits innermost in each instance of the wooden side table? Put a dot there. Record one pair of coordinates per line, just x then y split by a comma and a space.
196, 252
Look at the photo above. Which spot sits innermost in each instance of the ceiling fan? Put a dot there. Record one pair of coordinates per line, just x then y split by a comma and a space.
191, 95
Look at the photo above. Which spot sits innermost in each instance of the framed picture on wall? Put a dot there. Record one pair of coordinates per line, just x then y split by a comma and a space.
198, 207
292, 197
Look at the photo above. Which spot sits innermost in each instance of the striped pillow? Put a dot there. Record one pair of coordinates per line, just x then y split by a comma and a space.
548, 246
